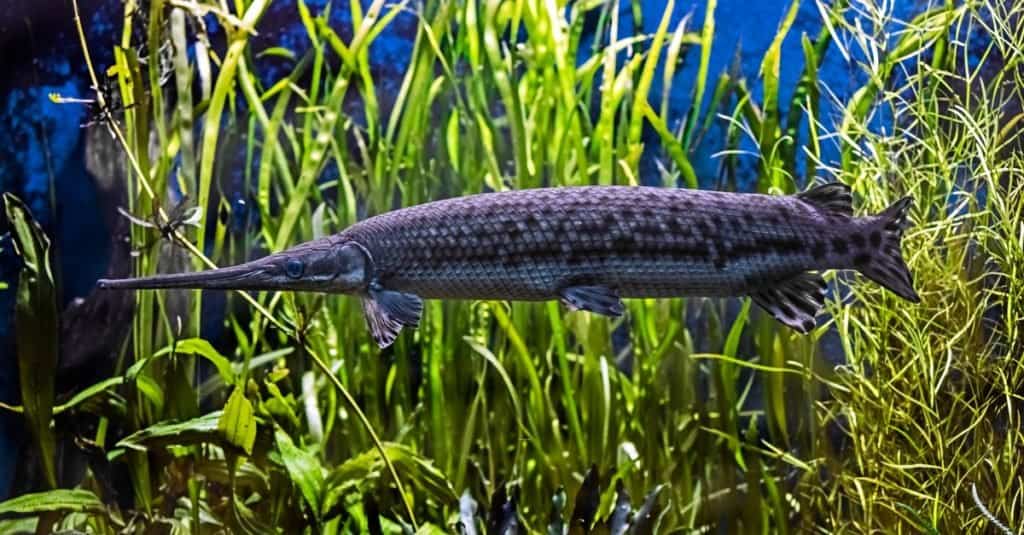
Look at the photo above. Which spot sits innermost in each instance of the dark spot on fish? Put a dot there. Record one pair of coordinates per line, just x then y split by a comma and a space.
876, 238
703, 227
818, 250
839, 246
575, 257
858, 240
736, 224
719, 260
744, 249
647, 212
782, 212
689, 250
807, 325
748, 218
717, 220
785, 245
862, 259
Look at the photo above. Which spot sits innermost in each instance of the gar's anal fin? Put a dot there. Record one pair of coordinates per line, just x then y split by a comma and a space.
387, 311
794, 301
596, 299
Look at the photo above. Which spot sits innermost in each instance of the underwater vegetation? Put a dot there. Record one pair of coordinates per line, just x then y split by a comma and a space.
257, 412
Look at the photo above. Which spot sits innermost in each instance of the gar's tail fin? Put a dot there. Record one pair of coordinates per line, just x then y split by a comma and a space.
886, 266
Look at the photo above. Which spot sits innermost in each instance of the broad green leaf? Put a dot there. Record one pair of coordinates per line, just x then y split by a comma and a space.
238, 422
364, 472
194, 431
57, 500
21, 524
245, 475
304, 469
35, 318
242, 519
81, 397
152, 390
189, 346
89, 393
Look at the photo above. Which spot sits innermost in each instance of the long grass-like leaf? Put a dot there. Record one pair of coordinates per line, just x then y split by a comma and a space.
35, 316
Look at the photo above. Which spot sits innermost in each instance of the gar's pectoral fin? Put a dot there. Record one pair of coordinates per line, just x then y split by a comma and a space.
597, 299
387, 311
794, 301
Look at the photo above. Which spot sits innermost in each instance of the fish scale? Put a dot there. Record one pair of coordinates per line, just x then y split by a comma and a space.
529, 244
588, 246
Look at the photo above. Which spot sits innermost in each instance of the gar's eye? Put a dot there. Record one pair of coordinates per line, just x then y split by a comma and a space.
294, 268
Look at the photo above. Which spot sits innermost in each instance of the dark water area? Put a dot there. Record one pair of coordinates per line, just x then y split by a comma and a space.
43, 146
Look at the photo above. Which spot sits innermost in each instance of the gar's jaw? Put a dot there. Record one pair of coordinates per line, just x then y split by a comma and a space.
317, 266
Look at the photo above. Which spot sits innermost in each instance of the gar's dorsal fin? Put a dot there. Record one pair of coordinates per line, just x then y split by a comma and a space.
834, 197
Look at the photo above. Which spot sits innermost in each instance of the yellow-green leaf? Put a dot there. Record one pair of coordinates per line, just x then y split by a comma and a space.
303, 469
238, 423
63, 500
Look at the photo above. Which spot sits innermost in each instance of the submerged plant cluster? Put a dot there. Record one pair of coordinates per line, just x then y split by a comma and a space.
683, 416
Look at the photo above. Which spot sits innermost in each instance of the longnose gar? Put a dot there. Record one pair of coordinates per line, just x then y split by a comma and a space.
587, 246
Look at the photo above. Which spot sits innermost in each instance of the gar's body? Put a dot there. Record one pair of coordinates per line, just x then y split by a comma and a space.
587, 246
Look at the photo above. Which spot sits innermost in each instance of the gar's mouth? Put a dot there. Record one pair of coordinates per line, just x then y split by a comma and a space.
248, 276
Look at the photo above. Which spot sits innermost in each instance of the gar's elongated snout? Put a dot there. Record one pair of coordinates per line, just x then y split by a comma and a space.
323, 265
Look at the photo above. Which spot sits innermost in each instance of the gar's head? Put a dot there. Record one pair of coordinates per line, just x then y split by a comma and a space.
326, 265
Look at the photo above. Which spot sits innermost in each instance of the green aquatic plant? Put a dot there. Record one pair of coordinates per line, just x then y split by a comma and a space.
930, 398
725, 419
